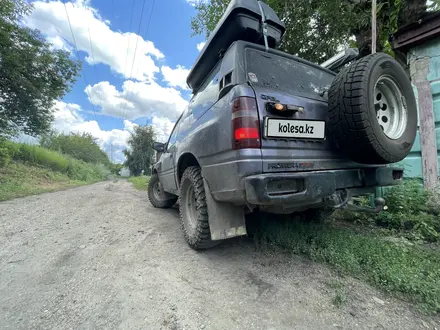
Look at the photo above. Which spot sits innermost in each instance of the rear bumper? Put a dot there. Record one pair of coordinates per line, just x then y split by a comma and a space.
291, 188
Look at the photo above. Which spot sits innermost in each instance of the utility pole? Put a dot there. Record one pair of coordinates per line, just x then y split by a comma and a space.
111, 153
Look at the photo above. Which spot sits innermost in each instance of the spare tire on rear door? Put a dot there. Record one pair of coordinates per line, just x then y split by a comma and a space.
373, 111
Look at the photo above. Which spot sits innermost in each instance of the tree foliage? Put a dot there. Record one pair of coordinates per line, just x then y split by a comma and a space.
32, 74
116, 168
80, 146
140, 155
317, 29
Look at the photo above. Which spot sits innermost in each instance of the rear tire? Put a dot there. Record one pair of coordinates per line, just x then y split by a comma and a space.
157, 197
373, 111
194, 210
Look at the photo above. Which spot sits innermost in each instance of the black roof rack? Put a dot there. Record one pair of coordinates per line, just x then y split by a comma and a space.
242, 20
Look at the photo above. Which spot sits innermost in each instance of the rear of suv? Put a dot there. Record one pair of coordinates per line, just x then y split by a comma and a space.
267, 131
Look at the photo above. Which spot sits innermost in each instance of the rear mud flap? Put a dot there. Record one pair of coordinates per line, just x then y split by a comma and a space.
225, 219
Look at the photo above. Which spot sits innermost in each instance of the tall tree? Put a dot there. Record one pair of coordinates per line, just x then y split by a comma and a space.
140, 155
316, 29
32, 73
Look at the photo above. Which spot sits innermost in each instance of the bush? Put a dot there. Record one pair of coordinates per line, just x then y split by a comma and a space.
5, 156
11, 146
116, 168
8, 150
409, 196
82, 171
411, 210
41, 156
80, 146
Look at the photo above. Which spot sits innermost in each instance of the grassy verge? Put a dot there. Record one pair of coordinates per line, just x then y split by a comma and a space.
19, 180
396, 250
404, 268
30, 169
140, 182
411, 212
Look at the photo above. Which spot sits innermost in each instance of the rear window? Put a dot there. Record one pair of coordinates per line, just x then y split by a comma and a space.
287, 75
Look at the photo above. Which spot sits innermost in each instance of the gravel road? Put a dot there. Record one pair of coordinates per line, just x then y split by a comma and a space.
100, 257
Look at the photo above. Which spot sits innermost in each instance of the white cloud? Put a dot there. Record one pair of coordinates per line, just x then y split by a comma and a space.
162, 127
129, 126
112, 102
194, 2
59, 43
137, 99
109, 47
201, 45
175, 77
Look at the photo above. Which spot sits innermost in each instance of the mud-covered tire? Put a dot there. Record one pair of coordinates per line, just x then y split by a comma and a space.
357, 111
320, 215
159, 199
194, 210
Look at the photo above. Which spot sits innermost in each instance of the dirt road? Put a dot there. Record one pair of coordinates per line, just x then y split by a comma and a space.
100, 257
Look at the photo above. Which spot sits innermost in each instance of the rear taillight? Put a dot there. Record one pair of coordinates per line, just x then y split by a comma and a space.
245, 124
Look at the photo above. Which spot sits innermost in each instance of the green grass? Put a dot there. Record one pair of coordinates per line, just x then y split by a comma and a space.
409, 270
412, 212
30, 169
140, 182
35, 155
339, 300
19, 180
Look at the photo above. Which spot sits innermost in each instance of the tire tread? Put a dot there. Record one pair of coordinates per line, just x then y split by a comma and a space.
162, 204
349, 123
202, 239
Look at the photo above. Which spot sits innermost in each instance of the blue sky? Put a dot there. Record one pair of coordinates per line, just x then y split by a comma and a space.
132, 73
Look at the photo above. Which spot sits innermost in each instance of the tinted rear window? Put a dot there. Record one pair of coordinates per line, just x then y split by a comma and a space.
287, 75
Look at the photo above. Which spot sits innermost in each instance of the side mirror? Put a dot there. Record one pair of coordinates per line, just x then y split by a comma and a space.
159, 147
337, 61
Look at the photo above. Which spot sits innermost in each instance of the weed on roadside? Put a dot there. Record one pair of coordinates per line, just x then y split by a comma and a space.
334, 284
340, 300
337, 287
412, 212
140, 182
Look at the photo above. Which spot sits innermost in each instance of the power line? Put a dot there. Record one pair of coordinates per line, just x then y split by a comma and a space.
128, 43
92, 52
137, 38
126, 55
149, 20
76, 51
145, 38
146, 30
135, 51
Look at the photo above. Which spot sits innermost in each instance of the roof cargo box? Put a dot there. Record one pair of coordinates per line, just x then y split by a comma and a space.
242, 20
